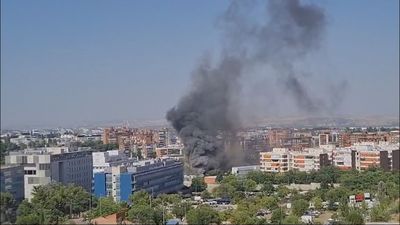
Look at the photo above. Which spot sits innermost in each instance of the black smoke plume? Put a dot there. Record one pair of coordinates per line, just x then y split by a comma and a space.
207, 116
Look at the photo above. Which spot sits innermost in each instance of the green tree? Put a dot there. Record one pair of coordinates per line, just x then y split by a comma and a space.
267, 202
268, 188
291, 219
250, 185
53, 203
140, 198
282, 191
299, 207
380, 214
205, 194
203, 215
141, 213
354, 217
180, 209
224, 191
8, 208
317, 202
278, 215
198, 184
105, 206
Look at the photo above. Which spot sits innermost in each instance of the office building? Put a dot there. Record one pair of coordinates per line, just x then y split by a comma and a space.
12, 181
154, 176
45, 165
104, 160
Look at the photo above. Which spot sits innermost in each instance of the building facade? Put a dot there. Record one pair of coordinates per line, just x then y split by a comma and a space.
42, 166
104, 160
12, 181
275, 161
244, 170
153, 176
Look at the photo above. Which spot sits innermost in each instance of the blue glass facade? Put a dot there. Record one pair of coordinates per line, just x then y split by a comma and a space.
126, 186
159, 177
100, 184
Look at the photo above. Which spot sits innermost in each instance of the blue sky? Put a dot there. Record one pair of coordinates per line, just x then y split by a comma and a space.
65, 63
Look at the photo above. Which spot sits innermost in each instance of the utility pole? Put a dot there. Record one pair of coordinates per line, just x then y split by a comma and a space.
163, 212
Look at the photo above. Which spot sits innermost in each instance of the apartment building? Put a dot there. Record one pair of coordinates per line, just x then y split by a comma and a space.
275, 161
308, 160
154, 176
362, 156
12, 181
343, 158
169, 151
44, 165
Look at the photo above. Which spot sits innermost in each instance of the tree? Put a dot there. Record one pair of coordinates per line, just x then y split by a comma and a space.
198, 184
268, 188
205, 194
141, 213
380, 214
354, 217
180, 209
250, 185
7, 207
267, 202
278, 215
282, 191
140, 198
317, 202
233, 181
225, 191
299, 207
105, 206
291, 219
52, 203
203, 215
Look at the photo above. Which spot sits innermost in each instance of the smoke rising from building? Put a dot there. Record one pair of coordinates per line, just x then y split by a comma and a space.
208, 114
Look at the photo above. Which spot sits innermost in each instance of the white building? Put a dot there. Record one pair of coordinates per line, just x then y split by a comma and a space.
244, 170
45, 165
103, 160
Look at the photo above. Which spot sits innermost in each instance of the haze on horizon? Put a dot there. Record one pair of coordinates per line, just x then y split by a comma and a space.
67, 63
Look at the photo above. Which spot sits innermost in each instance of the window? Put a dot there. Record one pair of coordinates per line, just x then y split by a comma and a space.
30, 172
44, 166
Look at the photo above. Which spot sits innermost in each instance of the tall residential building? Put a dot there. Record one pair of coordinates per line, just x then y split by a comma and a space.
45, 165
343, 158
153, 176
362, 156
307, 161
163, 138
275, 161
12, 181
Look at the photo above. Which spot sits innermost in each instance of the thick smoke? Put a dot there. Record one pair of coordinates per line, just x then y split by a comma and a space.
207, 116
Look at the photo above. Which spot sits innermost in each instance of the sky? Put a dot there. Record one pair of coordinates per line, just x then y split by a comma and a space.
67, 63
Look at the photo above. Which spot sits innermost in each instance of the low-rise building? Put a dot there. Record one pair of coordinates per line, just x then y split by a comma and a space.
244, 170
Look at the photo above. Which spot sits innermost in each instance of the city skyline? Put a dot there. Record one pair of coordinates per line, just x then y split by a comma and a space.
70, 63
